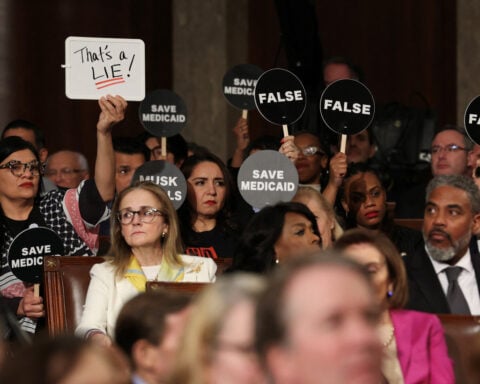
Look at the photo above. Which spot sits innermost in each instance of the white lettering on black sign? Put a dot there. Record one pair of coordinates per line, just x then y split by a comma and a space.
268, 184
163, 181
473, 119
27, 262
37, 250
241, 87
278, 97
164, 114
356, 108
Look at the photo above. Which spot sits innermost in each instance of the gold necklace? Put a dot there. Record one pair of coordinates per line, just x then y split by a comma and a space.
390, 338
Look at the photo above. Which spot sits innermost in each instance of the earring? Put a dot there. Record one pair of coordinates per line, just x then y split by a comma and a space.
164, 234
389, 293
277, 261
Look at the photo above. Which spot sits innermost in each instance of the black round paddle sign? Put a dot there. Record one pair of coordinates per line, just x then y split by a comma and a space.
163, 113
165, 175
239, 85
280, 96
26, 252
267, 177
347, 106
472, 120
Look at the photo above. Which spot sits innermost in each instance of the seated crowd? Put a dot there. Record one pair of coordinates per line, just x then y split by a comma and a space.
326, 288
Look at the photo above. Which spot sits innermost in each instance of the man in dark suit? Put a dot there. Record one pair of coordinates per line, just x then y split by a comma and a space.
444, 273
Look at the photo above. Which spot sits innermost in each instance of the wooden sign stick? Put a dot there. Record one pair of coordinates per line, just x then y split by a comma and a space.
285, 130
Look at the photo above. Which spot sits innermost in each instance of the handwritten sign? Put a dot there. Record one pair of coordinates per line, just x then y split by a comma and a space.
95, 67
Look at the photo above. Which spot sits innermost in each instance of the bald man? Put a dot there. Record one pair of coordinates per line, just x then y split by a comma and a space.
67, 169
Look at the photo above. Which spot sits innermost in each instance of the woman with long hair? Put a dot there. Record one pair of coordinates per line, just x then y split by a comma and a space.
146, 246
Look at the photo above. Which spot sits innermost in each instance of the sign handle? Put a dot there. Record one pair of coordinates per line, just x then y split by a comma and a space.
343, 143
285, 130
244, 114
36, 290
163, 144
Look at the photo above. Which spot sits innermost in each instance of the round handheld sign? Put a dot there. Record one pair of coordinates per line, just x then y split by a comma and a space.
472, 120
267, 177
26, 252
347, 106
163, 113
239, 85
165, 175
280, 96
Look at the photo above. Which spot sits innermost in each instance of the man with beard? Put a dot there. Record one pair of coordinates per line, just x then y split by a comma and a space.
444, 275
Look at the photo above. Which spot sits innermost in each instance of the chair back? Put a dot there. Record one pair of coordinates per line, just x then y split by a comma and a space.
185, 288
410, 223
223, 263
460, 334
66, 280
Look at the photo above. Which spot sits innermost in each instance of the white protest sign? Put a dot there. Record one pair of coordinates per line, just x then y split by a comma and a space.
95, 67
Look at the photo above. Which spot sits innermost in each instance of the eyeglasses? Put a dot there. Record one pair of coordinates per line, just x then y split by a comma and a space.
67, 172
18, 168
451, 148
145, 215
311, 150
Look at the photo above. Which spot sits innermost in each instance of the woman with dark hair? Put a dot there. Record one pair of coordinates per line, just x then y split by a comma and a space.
364, 199
274, 235
72, 214
415, 350
209, 226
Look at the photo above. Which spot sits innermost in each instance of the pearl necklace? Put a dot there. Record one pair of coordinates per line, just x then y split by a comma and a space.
390, 338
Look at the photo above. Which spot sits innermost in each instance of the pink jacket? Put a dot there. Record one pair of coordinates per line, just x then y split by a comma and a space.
421, 346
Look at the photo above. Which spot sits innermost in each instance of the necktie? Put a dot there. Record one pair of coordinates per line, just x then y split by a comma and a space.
455, 297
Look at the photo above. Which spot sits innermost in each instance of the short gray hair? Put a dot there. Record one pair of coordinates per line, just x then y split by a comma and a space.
457, 181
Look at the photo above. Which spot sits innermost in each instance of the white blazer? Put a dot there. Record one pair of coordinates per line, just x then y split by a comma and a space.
107, 294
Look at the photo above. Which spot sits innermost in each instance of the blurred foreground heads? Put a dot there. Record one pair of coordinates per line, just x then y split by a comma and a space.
317, 323
218, 341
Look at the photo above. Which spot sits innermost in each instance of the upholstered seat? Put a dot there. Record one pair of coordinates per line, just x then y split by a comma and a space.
66, 280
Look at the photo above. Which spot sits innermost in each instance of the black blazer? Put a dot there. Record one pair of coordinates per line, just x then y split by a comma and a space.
425, 291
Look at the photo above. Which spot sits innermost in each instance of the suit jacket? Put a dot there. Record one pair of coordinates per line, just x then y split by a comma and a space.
425, 291
421, 347
107, 293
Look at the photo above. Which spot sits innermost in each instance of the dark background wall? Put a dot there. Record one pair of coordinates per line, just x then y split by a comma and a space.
403, 47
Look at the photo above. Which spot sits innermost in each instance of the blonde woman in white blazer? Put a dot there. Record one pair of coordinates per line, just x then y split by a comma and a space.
146, 246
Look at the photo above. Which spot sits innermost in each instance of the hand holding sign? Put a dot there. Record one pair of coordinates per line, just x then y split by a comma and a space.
347, 107
280, 97
239, 86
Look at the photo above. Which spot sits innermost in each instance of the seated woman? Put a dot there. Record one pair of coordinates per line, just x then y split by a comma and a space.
218, 341
364, 199
145, 246
72, 215
324, 214
274, 235
414, 344
209, 226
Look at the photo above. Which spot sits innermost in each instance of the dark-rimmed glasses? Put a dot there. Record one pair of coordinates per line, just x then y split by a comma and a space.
145, 215
18, 168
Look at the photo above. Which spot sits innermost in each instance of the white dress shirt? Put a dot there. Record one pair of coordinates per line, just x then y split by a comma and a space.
466, 280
